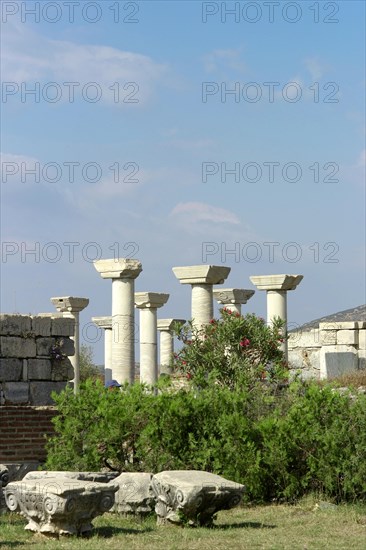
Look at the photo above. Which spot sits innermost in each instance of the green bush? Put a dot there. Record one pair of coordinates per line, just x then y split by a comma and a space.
282, 446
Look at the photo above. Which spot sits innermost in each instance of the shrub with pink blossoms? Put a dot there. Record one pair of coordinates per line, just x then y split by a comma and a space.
232, 350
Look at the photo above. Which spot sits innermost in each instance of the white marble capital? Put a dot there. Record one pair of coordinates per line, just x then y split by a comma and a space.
201, 278
233, 298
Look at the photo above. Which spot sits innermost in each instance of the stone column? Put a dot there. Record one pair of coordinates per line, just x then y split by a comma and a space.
201, 278
123, 273
148, 303
276, 287
232, 298
72, 306
106, 324
167, 343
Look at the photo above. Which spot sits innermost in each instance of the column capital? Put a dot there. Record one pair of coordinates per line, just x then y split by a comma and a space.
201, 274
69, 303
118, 268
103, 322
276, 282
232, 295
167, 324
150, 299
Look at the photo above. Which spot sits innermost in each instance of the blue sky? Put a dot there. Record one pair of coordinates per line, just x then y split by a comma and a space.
175, 141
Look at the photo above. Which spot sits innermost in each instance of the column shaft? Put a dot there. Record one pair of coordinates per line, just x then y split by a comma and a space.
202, 304
166, 351
123, 330
107, 354
148, 346
277, 307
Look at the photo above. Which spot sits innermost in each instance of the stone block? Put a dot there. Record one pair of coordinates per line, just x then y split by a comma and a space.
304, 339
44, 345
41, 326
67, 346
11, 369
14, 325
337, 360
307, 360
59, 506
15, 393
362, 359
362, 338
347, 337
62, 370
62, 326
329, 326
14, 346
193, 494
40, 392
328, 337
134, 495
39, 369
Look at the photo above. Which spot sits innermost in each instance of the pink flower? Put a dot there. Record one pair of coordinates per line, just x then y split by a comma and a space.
244, 343
212, 322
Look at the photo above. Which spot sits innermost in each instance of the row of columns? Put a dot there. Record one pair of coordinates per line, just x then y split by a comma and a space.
120, 327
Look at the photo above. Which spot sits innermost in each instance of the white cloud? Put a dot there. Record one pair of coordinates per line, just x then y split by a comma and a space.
29, 57
196, 212
315, 67
219, 60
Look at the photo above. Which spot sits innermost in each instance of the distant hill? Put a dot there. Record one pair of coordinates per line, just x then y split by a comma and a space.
354, 314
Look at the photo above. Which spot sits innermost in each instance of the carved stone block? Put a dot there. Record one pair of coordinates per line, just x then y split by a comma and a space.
193, 495
59, 505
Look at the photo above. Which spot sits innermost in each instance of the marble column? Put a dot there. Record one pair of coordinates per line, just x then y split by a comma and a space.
167, 343
148, 303
72, 306
232, 298
106, 324
276, 287
201, 278
123, 273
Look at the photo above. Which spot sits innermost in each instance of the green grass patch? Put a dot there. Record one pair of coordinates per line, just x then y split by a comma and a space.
310, 524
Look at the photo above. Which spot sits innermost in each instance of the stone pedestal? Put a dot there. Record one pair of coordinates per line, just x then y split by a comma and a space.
72, 306
201, 278
276, 287
123, 273
135, 495
193, 495
106, 324
167, 343
232, 298
148, 303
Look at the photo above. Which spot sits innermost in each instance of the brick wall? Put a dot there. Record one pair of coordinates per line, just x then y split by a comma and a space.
22, 432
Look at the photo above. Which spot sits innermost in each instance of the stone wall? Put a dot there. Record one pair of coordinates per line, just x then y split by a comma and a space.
34, 359
34, 362
328, 351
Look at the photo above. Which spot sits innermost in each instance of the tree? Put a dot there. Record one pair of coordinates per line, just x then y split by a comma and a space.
88, 369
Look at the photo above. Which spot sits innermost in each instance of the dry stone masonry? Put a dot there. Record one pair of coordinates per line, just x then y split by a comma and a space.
34, 358
332, 349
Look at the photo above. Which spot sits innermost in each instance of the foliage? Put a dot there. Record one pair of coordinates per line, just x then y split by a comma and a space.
282, 441
281, 446
87, 367
232, 350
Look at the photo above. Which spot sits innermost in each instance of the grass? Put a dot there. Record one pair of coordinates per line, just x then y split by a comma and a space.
309, 525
